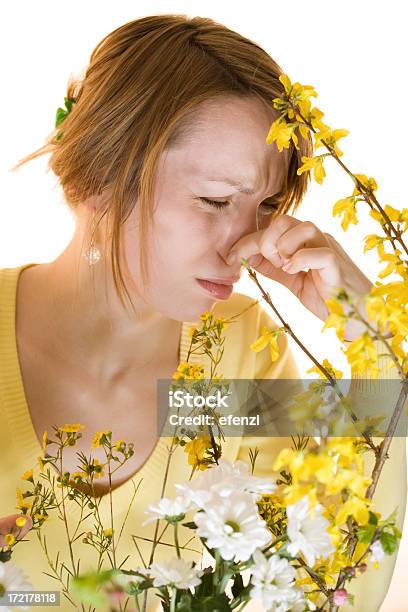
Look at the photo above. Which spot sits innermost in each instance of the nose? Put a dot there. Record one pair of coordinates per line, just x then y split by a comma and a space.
245, 224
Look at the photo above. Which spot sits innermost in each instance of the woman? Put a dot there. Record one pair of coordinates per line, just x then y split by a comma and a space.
164, 165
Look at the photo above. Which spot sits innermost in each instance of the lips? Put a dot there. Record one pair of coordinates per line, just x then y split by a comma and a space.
219, 288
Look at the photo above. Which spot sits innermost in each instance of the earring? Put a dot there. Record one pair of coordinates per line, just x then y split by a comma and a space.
92, 254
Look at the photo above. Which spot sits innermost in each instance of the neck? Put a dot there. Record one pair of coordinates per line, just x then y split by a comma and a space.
86, 323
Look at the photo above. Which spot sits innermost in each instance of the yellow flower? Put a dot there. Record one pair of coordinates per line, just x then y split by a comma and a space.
21, 521
326, 363
9, 539
190, 371
108, 532
369, 183
315, 163
78, 474
371, 241
206, 315
192, 330
281, 133
41, 517
362, 356
96, 443
336, 318
395, 264
71, 428
118, 444
267, 337
22, 503
348, 207
196, 450
28, 476
98, 471
41, 463
330, 137
355, 507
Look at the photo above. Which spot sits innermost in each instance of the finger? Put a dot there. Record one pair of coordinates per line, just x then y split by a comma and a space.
304, 234
8, 525
318, 258
263, 241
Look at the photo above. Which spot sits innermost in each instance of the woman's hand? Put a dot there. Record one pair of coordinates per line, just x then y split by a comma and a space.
8, 525
286, 247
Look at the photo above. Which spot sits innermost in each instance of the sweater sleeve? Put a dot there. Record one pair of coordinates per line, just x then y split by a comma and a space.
371, 588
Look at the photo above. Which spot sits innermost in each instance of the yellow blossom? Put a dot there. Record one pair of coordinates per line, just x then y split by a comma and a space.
118, 444
326, 364
355, 507
267, 338
96, 443
396, 264
190, 371
281, 133
22, 503
41, 463
336, 318
206, 315
71, 428
362, 356
21, 521
371, 241
315, 163
330, 137
369, 183
108, 532
196, 450
28, 475
98, 471
9, 539
348, 207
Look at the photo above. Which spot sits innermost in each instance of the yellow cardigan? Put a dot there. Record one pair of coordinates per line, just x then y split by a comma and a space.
20, 448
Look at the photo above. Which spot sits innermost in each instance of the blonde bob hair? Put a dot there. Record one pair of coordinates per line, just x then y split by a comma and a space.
138, 97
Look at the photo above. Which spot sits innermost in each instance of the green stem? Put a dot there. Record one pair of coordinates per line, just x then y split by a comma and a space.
173, 600
177, 540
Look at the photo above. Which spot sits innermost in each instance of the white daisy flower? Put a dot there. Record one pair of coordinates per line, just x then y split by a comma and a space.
273, 579
168, 509
233, 526
175, 573
307, 531
12, 578
224, 479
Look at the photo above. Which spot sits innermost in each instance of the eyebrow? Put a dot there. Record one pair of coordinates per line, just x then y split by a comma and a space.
233, 183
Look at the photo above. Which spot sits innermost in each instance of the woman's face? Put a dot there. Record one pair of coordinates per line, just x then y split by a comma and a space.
225, 160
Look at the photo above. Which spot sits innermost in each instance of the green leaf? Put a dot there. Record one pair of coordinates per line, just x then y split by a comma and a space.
389, 542
190, 525
217, 603
365, 534
238, 585
184, 605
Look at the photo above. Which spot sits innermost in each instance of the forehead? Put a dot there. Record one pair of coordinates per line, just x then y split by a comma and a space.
226, 138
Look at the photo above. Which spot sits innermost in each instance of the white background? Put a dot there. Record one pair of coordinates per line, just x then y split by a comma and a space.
353, 53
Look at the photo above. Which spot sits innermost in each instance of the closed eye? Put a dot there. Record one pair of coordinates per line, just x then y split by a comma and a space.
268, 205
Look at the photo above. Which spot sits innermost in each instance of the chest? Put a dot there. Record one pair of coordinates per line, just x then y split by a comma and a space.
125, 405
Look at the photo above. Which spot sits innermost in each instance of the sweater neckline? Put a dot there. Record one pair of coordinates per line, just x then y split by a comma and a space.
19, 413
